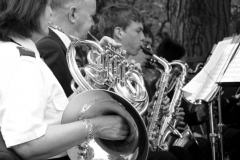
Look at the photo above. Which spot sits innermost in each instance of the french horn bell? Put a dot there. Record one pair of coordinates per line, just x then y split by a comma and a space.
101, 84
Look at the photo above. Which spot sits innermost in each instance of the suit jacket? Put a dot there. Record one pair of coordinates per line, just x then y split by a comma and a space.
53, 51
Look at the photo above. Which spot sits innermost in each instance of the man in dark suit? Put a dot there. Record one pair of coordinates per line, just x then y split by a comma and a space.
53, 51
72, 18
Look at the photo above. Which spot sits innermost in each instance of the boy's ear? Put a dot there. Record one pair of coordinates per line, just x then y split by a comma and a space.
118, 32
72, 14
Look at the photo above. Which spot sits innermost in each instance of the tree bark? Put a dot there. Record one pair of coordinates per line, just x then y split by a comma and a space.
198, 24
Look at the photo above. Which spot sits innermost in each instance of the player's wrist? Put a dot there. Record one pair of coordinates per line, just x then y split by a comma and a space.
89, 129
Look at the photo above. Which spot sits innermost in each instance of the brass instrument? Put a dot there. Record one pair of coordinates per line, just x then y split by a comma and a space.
179, 79
108, 85
198, 67
176, 72
155, 130
185, 139
168, 122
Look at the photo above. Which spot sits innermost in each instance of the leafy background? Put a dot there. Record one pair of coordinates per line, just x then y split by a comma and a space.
156, 17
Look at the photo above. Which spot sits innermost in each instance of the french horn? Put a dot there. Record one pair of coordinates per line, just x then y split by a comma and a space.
108, 85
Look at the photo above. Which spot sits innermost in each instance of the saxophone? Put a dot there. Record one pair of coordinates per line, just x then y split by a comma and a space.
154, 129
161, 127
168, 122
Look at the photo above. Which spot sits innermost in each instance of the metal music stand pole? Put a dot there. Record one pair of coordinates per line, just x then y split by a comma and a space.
212, 134
220, 124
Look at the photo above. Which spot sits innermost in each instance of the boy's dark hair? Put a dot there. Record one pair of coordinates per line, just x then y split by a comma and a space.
118, 16
170, 50
148, 33
20, 18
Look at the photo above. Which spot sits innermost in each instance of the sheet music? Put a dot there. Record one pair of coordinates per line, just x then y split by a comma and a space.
231, 73
204, 85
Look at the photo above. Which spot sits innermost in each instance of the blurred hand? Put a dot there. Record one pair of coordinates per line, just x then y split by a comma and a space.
164, 106
107, 40
151, 144
180, 115
137, 66
111, 127
202, 112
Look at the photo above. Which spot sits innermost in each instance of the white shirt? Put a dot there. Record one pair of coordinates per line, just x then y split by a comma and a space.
31, 97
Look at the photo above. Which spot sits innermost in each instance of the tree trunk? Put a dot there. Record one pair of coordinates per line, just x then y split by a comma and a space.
198, 25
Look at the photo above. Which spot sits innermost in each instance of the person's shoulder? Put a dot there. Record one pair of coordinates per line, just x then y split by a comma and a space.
46, 44
13, 55
47, 40
13, 51
25, 52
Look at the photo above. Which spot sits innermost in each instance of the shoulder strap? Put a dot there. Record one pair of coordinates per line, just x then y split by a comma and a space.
26, 52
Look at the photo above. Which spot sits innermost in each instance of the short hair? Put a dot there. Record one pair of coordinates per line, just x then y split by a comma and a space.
59, 4
170, 50
118, 16
20, 17
148, 33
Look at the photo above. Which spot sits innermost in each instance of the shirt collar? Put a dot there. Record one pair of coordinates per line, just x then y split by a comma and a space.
27, 43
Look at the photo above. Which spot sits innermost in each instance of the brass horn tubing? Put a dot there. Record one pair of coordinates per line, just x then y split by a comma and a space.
110, 70
74, 70
115, 66
182, 75
123, 72
96, 60
95, 44
72, 85
119, 71
183, 67
163, 62
104, 60
112, 60
114, 52
140, 106
100, 80
108, 66
135, 77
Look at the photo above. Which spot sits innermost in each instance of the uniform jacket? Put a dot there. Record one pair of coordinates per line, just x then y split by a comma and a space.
53, 51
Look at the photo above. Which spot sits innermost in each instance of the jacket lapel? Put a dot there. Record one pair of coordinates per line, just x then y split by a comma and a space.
57, 39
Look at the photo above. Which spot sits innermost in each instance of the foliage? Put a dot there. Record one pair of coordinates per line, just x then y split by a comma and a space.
157, 17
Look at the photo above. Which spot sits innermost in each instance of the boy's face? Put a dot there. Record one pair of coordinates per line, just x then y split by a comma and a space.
132, 38
147, 42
